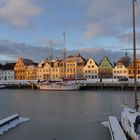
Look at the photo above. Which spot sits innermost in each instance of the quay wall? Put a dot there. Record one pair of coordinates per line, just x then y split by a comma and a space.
110, 86
107, 84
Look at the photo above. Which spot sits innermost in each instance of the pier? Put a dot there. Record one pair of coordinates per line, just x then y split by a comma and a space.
110, 86
20, 84
90, 85
115, 129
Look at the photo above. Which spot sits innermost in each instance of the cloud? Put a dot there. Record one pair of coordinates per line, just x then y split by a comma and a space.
107, 18
54, 43
97, 53
13, 50
128, 38
17, 12
93, 30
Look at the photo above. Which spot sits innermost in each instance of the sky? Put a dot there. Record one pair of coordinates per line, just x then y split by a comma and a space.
94, 28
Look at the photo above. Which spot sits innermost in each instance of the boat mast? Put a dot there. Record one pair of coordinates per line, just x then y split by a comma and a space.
64, 64
134, 55
50, 57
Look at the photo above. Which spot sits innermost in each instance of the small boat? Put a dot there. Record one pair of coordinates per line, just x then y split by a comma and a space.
3, 86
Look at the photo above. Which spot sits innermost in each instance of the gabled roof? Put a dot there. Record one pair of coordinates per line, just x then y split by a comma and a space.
8, 66
76, 58
27, 62
137, 63
92, 59
103, 60
126, 60
1, 66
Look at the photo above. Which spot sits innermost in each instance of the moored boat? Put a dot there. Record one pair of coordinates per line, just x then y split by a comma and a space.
3, 86
130, 117
58, 86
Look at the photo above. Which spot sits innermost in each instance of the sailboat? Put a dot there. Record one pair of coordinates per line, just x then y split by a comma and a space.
59, 85
130, 118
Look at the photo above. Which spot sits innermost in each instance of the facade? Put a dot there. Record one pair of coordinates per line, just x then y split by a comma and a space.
21, 67
40, 70
74, 66
7, 72
57, 69
49, 70
31, 72
91, 69
105, 68
43, 70
120, 71
131, 70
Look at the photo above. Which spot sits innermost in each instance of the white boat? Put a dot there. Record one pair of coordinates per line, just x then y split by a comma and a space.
130, 118
3, 86
58, 86
62, 84
130, 121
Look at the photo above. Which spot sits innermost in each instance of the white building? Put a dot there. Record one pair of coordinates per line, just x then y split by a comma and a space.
91, 69
7, 72
120, 71
7, 75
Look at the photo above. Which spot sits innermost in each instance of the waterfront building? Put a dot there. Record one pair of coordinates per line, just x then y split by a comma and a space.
43, 70
31, 72
105, 68
7, 72
75, 66
120, 71
125, 60
91, 69
49, 70
131, 70
56, 69
21, 67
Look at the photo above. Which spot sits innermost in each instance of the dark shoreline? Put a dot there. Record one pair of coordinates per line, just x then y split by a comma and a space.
91, 86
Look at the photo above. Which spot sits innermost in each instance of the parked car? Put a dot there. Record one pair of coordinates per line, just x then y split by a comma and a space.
123, 79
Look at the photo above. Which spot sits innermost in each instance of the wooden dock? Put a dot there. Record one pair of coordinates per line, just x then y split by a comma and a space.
115, 129
110, 86
11, 122
8, 119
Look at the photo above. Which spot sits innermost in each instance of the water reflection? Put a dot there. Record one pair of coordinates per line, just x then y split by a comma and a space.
72, 115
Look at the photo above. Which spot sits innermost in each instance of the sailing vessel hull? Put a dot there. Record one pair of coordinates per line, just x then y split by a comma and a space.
128, 122
59, 87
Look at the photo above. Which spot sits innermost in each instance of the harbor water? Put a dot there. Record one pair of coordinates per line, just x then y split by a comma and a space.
62, 115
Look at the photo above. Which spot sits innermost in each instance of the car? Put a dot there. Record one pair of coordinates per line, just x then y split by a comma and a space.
123, 79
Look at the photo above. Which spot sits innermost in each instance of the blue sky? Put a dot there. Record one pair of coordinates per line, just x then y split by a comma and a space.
26, 26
